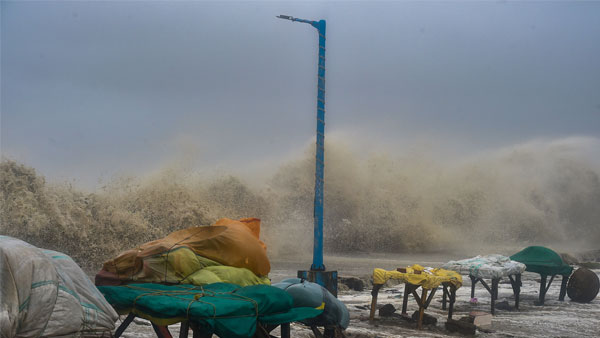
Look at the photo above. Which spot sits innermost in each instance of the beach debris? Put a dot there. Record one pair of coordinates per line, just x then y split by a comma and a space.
503, 305
481, 319
387, 310
583, 285
353, 283
463, 326
427, 319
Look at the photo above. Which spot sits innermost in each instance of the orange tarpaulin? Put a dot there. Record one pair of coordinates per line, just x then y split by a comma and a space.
228, 242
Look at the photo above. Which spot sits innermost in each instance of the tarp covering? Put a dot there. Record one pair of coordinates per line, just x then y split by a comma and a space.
308, 294
228, 251
44, 293
428, 278
543, 261
226, 310
489, 266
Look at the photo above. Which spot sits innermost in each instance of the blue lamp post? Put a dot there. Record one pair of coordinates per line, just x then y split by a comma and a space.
317, 271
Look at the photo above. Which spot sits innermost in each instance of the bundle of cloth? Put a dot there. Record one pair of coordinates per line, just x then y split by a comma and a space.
492, 266
228, 251
44, 293
313, 295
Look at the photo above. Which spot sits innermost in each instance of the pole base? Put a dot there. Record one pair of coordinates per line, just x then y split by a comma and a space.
327, 279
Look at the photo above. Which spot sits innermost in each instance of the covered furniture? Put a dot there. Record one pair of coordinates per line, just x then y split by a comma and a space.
416, 276
226, 310
494, 267
44, 293
546, 262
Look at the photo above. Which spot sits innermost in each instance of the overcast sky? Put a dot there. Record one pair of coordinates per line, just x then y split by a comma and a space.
92, 89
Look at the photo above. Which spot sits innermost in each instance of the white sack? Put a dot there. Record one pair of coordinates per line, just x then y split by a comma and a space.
44, 293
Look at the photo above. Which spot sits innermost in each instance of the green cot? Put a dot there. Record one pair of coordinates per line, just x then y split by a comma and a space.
546, 262
224, 309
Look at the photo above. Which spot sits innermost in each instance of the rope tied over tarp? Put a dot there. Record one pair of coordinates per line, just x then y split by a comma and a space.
197, 298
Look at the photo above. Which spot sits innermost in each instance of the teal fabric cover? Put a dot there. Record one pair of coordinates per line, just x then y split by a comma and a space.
310, 294
226, 310
543, 261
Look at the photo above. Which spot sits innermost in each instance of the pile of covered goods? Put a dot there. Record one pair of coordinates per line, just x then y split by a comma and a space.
229, 251
214, 279
44, 293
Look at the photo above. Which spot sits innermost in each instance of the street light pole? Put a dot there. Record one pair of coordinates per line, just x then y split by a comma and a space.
317, 269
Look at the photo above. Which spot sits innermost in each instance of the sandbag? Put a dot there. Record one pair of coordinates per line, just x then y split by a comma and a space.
45, 293
174, 258
308, 294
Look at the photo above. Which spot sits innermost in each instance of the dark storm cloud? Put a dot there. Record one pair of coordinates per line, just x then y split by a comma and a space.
92, 88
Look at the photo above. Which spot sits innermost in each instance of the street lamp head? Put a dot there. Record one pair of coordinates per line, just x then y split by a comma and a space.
286, 17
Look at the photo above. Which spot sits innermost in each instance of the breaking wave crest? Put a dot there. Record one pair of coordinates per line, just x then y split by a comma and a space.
541, 192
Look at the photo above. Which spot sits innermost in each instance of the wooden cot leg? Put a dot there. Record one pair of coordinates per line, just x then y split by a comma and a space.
542, 289
124, 325
473, 282
285, 330
199, 333
421, 308
374, 294
518, 291
444, 294
184, 329
516, 286
430, 297
316, 331
329, 332
452, 297
161, 331
407, 292
563, 288
494, 294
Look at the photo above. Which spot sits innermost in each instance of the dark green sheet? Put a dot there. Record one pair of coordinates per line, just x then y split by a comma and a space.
226, 310
543, 261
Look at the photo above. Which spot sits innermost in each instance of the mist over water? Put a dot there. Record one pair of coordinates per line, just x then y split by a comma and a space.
544, 192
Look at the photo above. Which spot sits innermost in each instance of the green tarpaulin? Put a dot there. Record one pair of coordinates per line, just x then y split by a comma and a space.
543, 261
226, 310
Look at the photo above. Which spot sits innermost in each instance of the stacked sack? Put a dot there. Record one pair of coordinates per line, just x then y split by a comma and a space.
44, 293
